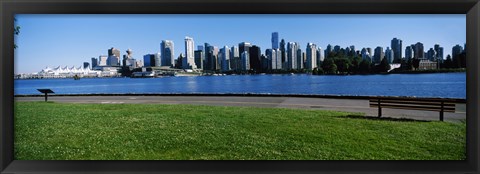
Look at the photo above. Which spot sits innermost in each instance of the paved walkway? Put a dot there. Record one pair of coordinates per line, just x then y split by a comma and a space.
349, 105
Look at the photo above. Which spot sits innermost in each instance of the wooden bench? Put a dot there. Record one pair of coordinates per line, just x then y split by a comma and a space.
425, 104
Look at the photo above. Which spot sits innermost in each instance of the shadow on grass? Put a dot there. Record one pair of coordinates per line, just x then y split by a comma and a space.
382, 118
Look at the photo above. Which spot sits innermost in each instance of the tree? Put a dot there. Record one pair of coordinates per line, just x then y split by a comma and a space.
364, 67
416, 63
383, 67
329, 66
16, 31
343, 65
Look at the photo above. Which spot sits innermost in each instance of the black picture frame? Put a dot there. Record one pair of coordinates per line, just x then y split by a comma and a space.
9, 8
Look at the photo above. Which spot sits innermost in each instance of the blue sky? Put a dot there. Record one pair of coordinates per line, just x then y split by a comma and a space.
70, 40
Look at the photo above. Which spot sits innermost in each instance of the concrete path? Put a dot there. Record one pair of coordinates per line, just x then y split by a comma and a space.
349, 105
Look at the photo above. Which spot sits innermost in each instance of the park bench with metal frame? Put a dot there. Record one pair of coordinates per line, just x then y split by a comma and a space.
425, 104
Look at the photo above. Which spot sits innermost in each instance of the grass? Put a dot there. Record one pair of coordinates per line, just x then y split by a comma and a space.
62, 131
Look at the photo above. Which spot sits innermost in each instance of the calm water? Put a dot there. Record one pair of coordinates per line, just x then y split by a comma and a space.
449, 85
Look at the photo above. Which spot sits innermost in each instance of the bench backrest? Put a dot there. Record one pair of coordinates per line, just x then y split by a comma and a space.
414, 104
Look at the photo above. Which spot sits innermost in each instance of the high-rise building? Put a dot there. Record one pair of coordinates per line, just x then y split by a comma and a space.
215, 56
439, 53
128, 60
291, 55
456, 51
245, 61
379, 54
366, 55
149, 60
418, 50
86, 65
244, 46
94, 62
235, 60
199, 59
389, 55
328, 50
225, 58
272, 57
283, 53
158, 59
311, 54
210, 60
431, 54
278, 57
275, 40
336, 48
113, 57
320, 56
102, 60
396, 45
167, 52
408, 53
300, 57
369, 50
254, 54
189, 61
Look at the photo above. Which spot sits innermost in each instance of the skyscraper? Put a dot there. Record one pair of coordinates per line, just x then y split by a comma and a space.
456, 50
300, 58
389, 55
235, 60
320, 56
199, 59
378, 55
272, 57
158, 59
245, 61
189, 60
148, 60
396, 45
86, 65
254, 54
311, 53
408, 53
113, 57
328, 50
94, 62
439, 53
418, 50
431, 54
283, 53
167, 52
291, 55
102, 60
275, 40
225, 61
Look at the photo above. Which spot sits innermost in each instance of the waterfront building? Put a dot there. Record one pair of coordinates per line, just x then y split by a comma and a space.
352, 50
102, 60
419, 52
245, 61
158, 59
86, 65
266, 64
300, 58
167, 52
320, 56
244, 46
431, 55
378, 55
139, 63
66, 72
396, 45
113, 57
254, 54
279, 55
215, 56
426, 64
369, 50
328, 50
225, 58
235, 60
283, 54
199, 59
210, 63
311, 54
408, 53
148, 60
272, 57
128, 60
291, 55
200, 47
189, 60
389, 55
94, 62
456, 51
439, 53
275, 40
366, 55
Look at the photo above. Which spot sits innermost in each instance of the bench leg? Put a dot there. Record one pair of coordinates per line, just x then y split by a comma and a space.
379, 111
441, 116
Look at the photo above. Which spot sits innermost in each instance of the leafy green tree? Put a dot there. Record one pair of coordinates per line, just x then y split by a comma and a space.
364, 67
329, 66
383, 67
416, 63
16, 31
343, 65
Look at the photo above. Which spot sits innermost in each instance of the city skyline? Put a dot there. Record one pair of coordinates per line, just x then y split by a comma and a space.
74, 44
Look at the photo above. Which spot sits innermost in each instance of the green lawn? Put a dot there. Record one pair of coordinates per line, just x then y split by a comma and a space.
61, 131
